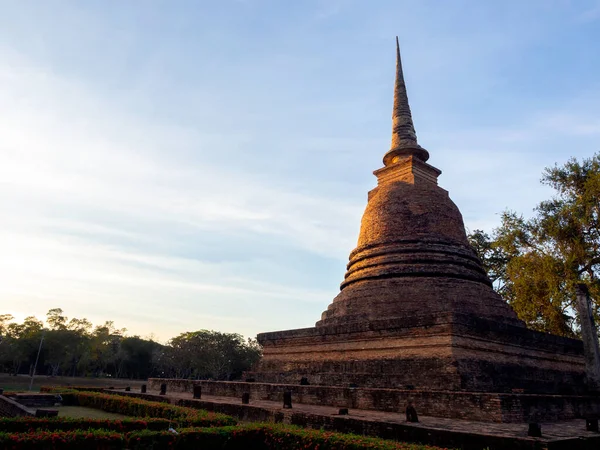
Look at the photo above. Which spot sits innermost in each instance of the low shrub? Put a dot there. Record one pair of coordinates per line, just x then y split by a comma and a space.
254, 436
292, 437
26, 424
259, 437
63, 440
59, 389
183, 417
145, 396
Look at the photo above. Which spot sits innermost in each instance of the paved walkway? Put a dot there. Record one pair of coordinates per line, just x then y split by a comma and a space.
550, 431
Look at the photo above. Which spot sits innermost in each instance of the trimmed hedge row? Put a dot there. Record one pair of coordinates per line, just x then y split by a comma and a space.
255, 437
183, 417
26, 424
60, 389
196, 429
260, 437
64, 440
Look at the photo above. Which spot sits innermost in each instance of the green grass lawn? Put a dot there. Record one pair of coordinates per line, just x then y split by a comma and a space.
82, 412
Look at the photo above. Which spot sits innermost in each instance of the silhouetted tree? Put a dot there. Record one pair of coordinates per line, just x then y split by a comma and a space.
74, 347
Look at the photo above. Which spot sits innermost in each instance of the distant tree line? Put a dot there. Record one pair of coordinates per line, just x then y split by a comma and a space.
74, 347
536, 263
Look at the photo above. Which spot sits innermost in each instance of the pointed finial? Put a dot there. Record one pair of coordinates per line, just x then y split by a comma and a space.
404, 138
398, 61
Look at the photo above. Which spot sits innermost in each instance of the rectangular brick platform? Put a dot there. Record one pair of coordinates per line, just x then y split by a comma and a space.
437, 351
11, 408
451, 433
481, 406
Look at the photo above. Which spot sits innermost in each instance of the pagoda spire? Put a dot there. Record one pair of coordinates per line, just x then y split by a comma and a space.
404, 138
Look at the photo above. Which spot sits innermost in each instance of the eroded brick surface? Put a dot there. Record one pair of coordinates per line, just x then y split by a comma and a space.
416, 307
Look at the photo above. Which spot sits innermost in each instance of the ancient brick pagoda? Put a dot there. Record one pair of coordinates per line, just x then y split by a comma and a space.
416, 309
417, 321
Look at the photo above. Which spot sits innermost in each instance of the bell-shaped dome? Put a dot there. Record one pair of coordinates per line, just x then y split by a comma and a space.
413, 256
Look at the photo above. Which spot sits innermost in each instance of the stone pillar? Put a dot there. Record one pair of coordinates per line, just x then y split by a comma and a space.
589, 335
197, 391
535, 430
287, 399
411, 413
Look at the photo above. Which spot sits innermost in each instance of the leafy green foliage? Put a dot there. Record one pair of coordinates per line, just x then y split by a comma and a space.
261, 437
19, 342
64, 440
24, 424
135, 407
209, 354
74, 347
195, 429
255, 436
536, 263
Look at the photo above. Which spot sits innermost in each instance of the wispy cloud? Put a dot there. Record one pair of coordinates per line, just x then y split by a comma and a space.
328, 9
572, 124
591, 14
95, 204
193, 167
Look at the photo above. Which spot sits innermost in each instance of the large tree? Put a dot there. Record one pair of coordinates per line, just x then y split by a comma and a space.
209, 354
66, 348
73, 347
138, 354
21, 342
536, 263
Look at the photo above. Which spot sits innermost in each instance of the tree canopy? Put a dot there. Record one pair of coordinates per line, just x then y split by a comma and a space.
74, 347
536, 263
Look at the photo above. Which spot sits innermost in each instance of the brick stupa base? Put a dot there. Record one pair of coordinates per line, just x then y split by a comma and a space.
416, 309
417, 313
446, 351
478, 406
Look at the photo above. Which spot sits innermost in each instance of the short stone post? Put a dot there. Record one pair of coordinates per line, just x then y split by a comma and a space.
411, 413
591, 424
535, 430
287, 399
197, 392
245, 398
143, 389
589, 335
163, 389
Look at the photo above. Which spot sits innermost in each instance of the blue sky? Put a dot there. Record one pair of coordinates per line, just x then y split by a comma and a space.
175, 166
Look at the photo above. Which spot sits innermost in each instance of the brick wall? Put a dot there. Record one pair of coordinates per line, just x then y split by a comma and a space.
488, 407
438, 351
403, 432
10, 408
35, 400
